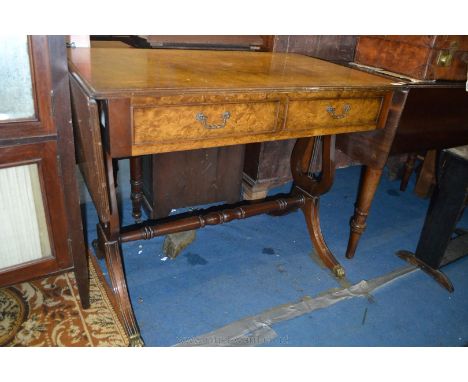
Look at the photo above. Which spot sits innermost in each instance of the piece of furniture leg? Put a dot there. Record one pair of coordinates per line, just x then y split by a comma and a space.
437, 275
369, 182
427, 176
119, 285
311, 214
136, 182
108, 241
447, 202
408, 170
311, 186
115, 163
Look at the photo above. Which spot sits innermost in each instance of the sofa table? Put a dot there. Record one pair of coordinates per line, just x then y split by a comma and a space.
128, 103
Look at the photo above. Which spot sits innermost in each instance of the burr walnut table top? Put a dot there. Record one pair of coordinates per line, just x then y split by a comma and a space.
171, 100
112, 72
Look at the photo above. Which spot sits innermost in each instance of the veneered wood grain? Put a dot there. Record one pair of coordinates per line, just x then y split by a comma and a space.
176, 123
306, 114
431, 41
161, 125
111, 72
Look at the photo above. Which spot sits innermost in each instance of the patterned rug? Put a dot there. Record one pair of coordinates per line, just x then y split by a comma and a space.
47, 312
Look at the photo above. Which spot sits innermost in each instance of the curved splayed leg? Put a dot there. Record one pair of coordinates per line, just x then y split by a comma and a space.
310, 183
108, 243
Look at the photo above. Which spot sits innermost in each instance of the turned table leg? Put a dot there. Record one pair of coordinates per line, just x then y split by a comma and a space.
136, 183
369, 183
312, 185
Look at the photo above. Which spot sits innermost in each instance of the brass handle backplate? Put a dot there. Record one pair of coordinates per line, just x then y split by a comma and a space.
332, 111
203, 119
445, 57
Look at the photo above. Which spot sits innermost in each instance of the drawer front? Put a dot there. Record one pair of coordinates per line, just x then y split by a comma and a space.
307, 114
167, 123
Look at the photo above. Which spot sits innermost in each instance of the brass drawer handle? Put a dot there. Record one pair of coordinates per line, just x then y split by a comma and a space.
332, 111
203, 119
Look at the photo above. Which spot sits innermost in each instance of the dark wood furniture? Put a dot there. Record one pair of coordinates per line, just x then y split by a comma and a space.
421, 57
433, 115
40, 202
130, 103
190, 178
437, 246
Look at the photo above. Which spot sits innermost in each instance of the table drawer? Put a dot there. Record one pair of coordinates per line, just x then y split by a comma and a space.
306, 114
167, 123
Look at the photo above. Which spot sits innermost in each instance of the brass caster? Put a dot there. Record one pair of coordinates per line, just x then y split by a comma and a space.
136, 341
339, 271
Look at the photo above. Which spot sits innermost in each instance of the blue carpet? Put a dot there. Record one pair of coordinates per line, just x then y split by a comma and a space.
242, 268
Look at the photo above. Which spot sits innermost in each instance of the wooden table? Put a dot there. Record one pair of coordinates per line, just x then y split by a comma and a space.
130, 103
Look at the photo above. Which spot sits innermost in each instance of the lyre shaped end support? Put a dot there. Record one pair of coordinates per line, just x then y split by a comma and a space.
304, 153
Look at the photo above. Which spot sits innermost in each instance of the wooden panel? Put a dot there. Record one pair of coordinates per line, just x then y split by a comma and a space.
303, 114
126, 72
66, 150
89, 148
433, 118
171, 124
203, 176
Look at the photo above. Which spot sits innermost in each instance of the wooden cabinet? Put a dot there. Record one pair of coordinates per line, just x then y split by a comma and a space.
422, 57
40, 229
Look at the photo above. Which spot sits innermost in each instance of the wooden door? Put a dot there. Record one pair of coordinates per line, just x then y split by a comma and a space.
41, 229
